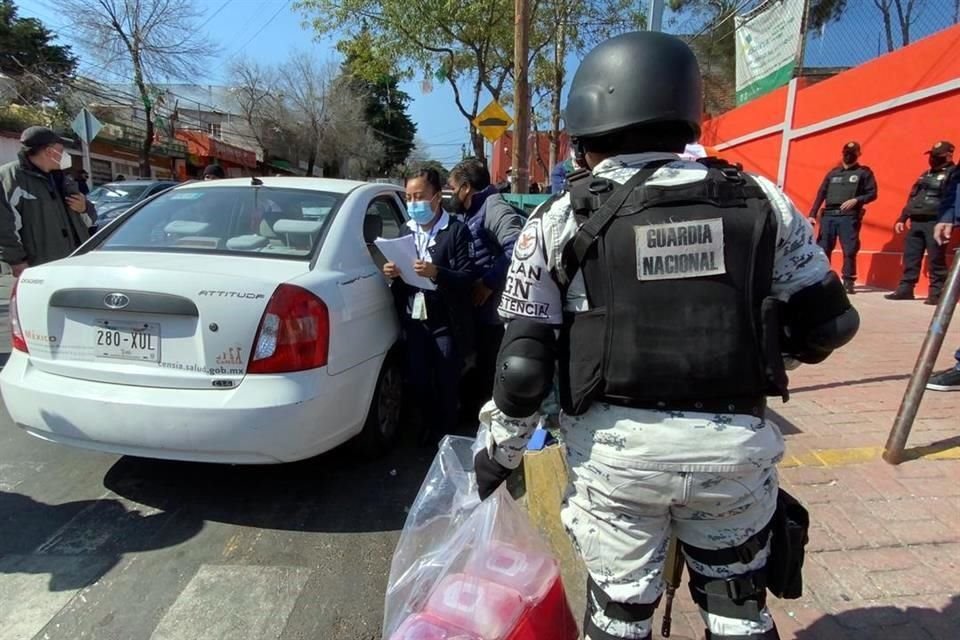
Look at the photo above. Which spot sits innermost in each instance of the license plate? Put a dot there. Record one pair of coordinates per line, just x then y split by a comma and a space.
127, 340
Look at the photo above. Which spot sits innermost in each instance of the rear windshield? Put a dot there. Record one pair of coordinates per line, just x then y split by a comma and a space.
118, 193
247, 220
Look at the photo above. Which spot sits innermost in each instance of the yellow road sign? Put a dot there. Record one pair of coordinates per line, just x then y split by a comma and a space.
493, 121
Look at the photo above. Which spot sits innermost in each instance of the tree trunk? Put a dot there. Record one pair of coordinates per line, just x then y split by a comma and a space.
904, 20
559, 76
884, 6
477, 141
145, 171
311, 160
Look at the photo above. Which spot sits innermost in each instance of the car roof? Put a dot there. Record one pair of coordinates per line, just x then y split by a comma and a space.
136, 183
331, 185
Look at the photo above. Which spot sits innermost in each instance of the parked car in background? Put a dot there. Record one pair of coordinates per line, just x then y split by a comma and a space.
115, 198
235, 321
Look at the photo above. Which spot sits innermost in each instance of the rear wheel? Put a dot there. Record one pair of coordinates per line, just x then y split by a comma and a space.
382, 426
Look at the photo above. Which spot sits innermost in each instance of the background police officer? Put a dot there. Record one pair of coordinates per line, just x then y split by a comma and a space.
844, 192
921, 213
644, 286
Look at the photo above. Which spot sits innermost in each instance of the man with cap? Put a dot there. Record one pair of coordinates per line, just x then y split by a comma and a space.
42, 212
918, 219
214, 172
667, 295
844, 192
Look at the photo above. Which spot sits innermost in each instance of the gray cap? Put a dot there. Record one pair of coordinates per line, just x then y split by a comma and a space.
35, 137
643, 77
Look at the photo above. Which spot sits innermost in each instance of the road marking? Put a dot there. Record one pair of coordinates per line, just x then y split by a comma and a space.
232, 601
33, 588
860, 455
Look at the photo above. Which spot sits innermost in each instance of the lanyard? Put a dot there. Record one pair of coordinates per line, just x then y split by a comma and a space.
427, 236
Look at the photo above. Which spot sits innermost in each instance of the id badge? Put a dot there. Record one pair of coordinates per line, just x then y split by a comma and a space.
419, 306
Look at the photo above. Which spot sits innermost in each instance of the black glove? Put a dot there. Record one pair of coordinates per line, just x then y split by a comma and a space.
490, 474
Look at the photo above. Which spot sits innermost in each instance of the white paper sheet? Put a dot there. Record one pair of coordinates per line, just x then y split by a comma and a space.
402, 252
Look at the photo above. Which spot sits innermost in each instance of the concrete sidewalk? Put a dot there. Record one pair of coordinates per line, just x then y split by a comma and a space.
884, 555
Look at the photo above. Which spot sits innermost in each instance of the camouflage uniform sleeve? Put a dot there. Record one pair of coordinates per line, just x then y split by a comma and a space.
798, 262
532, 293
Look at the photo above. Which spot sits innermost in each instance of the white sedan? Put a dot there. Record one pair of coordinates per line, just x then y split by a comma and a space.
234, 321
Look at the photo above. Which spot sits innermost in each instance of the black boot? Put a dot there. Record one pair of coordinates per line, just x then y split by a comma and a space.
767, 635
848, 286
933, 299
902, 293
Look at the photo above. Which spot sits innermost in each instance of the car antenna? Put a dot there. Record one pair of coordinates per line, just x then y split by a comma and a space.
255, 181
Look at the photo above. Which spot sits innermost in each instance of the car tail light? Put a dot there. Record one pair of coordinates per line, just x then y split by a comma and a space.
16, 332
294, 333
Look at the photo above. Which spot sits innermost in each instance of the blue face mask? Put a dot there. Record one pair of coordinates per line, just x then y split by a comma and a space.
420, 211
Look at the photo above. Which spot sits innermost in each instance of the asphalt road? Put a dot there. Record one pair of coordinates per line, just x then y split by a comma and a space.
106, 547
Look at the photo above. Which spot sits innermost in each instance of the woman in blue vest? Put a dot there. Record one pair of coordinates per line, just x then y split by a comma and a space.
437, 323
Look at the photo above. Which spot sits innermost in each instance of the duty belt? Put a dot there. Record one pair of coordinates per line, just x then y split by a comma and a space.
741, 406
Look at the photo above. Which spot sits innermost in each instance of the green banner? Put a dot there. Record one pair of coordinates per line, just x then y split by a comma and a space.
768, 43
766, 84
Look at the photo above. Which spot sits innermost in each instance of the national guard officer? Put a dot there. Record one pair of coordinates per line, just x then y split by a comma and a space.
921, 213
844, 191
666, 294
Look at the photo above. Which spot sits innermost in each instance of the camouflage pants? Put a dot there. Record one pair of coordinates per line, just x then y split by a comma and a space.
621, 521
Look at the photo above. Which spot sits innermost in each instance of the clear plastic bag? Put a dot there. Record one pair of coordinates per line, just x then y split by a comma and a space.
470, 570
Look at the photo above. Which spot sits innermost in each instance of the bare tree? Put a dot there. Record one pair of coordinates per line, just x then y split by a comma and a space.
260, 102
150, 39
907, 12
306, 85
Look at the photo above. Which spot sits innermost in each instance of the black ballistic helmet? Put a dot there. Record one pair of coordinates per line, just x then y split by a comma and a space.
643, 77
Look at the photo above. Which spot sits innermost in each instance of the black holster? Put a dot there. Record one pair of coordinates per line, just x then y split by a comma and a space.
790, 526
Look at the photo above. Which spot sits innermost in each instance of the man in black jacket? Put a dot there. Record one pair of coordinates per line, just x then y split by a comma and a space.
845, 190
43, 215
921, 211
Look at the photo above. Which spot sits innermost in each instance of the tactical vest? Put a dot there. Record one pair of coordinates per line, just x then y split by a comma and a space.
925, 196
844, 185
678, 281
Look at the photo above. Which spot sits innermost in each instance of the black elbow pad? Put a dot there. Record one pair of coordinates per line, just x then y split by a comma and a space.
525, 367
819, 319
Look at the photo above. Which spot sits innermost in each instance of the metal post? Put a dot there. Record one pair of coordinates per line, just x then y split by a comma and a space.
87, 165
521, 42
787, 135
655, 15
893, 450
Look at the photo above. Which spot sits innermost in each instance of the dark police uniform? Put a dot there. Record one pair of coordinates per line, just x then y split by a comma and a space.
842, 184
437, 345
923, 209
657, 289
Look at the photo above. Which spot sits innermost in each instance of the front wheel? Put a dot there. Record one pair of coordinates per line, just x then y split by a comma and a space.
382, 426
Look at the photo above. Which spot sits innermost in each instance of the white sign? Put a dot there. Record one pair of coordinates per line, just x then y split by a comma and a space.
768, 44
86, 126
680, 250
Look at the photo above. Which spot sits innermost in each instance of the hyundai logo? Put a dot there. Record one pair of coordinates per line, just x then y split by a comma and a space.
115, 300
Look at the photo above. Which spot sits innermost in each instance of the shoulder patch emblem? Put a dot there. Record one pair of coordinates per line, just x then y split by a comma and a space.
527, 241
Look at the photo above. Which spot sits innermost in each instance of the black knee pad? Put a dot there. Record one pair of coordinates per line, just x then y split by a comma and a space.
598, 600
740, 597
525, 367
766, 635
819, 319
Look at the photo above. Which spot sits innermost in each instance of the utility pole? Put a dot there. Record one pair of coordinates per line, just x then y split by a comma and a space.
521, 126
655, 15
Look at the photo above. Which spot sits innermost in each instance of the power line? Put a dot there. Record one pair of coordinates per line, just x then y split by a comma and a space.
212, 16
260, 30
